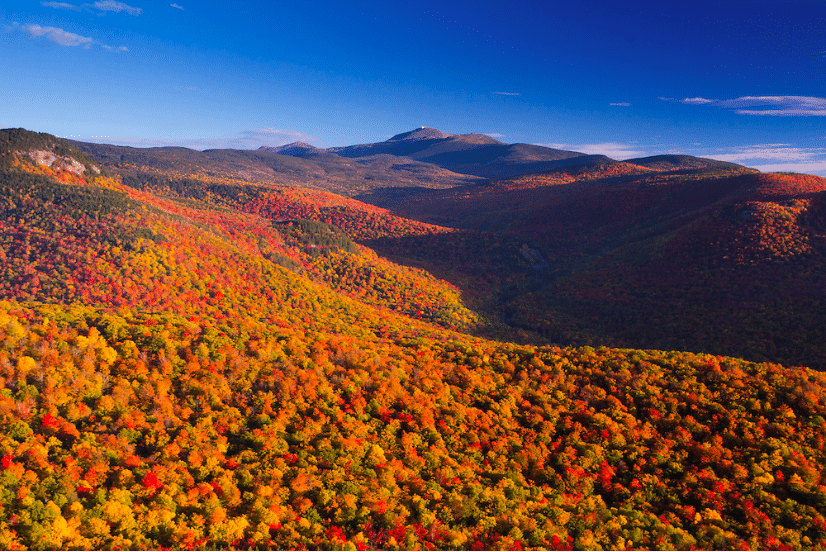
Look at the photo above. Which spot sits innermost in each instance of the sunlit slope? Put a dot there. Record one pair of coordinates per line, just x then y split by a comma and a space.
154, 432
136, 250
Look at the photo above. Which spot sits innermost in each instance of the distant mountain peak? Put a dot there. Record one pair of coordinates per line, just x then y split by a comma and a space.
295, 149
419, 134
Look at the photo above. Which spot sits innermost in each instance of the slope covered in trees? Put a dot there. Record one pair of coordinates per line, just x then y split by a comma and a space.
721, 260
156, 431
179, 373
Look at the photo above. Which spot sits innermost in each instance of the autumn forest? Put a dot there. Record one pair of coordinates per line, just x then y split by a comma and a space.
427, 343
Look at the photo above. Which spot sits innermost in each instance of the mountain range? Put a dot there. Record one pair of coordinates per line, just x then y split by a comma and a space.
420, 158
670, 230
435, 341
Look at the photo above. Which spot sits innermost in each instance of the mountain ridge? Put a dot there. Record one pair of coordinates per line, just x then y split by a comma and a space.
474, 154
680, 162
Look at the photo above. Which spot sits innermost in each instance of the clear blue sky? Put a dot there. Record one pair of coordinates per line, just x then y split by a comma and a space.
740, 81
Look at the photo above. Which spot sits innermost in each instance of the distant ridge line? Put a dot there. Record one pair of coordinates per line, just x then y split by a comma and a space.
419, 134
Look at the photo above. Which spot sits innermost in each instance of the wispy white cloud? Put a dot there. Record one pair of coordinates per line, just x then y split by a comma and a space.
494, 134
65, 38
777, 105
176, 6
508, 93
620, 104
697, 101
101, 6
117, 7
60, 6
247, 139
783, 106
58, 36
614, 150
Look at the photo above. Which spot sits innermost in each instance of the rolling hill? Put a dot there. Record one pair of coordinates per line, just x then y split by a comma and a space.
715, 258
680, 162
222, 363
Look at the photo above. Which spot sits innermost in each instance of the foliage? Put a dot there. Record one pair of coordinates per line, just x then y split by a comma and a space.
115, 438
724, 261
317, 237
376, 281
165, 384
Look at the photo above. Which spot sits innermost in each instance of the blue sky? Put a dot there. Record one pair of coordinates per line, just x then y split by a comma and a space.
738, 81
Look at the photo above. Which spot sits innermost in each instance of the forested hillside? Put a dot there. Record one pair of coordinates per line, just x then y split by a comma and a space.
210, 364
695, 255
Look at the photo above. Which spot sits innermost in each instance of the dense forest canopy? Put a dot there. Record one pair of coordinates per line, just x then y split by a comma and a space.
202, 363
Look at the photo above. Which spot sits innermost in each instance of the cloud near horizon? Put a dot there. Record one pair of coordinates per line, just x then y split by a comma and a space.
176, 6
817, 168
247, 140
776, 152
508, 93
614, 150
784, 106
775, 158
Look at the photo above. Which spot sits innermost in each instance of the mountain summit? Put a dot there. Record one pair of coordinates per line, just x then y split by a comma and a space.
419, 134
295, 149
472, 154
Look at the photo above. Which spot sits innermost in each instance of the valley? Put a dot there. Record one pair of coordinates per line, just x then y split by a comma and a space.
437, 341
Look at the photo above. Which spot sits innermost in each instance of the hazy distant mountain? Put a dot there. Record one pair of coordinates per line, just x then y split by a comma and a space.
296, 149
680, 162
420, 158
296, 164
473, 154
424, 157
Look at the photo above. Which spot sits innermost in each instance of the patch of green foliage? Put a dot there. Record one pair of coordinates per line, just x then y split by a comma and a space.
283, 261
20, 193
317, 236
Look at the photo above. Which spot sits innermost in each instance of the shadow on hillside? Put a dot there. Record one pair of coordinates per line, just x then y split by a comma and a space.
765, 313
